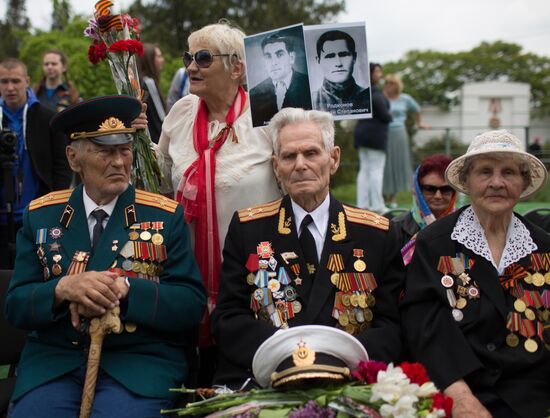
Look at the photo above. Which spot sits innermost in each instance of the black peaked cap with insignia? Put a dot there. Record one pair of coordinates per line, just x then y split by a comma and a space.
104, 120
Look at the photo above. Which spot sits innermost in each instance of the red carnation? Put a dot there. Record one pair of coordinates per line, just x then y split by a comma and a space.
367, 371
130, 45
97, 52
440, 401
415, 372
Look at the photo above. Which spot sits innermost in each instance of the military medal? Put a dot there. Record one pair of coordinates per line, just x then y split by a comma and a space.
547, 278
145, 235
79, 262
56, 233
134, 235
296, 270
530, 345
289, 255
461, 303
54, 247
538, 280
457, 315
56, 268
512, 340
359, 265
157, 238
447, 281
130, 327
520, 305
46, 273
264, 250
126, 252
335, 264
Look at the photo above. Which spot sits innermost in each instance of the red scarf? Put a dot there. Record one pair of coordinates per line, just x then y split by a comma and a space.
196, 192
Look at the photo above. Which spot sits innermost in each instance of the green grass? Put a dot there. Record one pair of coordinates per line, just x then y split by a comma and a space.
347, 193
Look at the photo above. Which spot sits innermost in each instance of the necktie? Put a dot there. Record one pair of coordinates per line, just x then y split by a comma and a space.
307, 242
99, 216
280, 91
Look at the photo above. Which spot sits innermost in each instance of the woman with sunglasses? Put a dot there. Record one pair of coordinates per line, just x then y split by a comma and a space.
216, 161
433, 198
476, 304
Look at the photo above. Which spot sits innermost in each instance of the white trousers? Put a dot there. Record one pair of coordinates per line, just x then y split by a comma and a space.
370, 178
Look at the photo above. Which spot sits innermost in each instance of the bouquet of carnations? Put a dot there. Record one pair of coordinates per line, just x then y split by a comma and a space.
378, 390
115, 38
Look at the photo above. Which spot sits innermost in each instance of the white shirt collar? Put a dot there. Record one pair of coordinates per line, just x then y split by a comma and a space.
286, 80
319, 215
90, 205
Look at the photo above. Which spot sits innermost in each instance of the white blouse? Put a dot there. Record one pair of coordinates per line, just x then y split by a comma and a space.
469, 232
244, 172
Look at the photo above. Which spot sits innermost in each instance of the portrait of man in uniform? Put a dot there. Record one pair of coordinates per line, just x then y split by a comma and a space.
333, 59
286, 85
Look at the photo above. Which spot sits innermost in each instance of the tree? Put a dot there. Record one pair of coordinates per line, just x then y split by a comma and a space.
169, 22
61, 14
13, 28
430, 76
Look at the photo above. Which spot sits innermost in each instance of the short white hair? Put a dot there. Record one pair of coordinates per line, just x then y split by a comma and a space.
291, 115
226, 39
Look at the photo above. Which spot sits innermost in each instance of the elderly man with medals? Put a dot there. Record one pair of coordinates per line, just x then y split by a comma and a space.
104, 257
306, 258
476, 306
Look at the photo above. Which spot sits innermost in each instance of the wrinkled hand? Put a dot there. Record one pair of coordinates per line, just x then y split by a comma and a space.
95, 291
141, 121
78, 310
465, 404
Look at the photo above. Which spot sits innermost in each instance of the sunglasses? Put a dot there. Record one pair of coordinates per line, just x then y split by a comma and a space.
431, 190
203, 58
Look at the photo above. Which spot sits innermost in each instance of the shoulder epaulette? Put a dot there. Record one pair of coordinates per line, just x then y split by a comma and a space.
156, 201
365, 217
261, 211
53, 198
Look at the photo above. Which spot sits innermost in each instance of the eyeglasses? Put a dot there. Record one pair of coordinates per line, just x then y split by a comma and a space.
431, 190
203, 58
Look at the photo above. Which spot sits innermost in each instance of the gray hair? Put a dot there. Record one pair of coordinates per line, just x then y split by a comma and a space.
291, 115
522, 162
226, 39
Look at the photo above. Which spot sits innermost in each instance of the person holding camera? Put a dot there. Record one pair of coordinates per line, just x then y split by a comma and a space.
32, 157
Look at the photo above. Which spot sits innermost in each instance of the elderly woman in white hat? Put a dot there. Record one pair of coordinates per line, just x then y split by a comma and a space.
477, 296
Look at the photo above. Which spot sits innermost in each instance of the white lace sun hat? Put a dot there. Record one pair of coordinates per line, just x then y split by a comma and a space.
498, 142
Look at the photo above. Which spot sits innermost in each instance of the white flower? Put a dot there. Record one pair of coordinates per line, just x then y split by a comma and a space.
436, 413
426, 390
392, 385
403, 408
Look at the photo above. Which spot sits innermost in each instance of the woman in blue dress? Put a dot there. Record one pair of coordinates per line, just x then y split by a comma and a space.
398, 169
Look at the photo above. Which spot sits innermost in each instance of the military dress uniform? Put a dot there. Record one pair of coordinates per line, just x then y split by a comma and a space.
145, 239
463, 321
266, 284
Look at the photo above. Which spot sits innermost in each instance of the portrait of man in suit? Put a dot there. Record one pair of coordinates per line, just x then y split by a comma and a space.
284, 86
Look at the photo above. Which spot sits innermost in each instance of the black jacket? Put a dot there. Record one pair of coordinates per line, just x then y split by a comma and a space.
235, 328
263, 100
475, 348
373, 133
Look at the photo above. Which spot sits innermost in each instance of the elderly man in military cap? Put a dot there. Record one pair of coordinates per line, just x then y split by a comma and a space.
306, 258
101, 246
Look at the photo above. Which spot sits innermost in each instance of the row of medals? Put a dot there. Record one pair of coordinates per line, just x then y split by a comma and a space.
539, 280
56, 269
143, 267
466, 290
357, 318
289, 293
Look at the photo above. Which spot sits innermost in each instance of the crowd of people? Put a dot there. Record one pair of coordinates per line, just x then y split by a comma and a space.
249, 240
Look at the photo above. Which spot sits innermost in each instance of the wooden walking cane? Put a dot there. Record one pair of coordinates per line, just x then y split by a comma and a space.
99, 328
